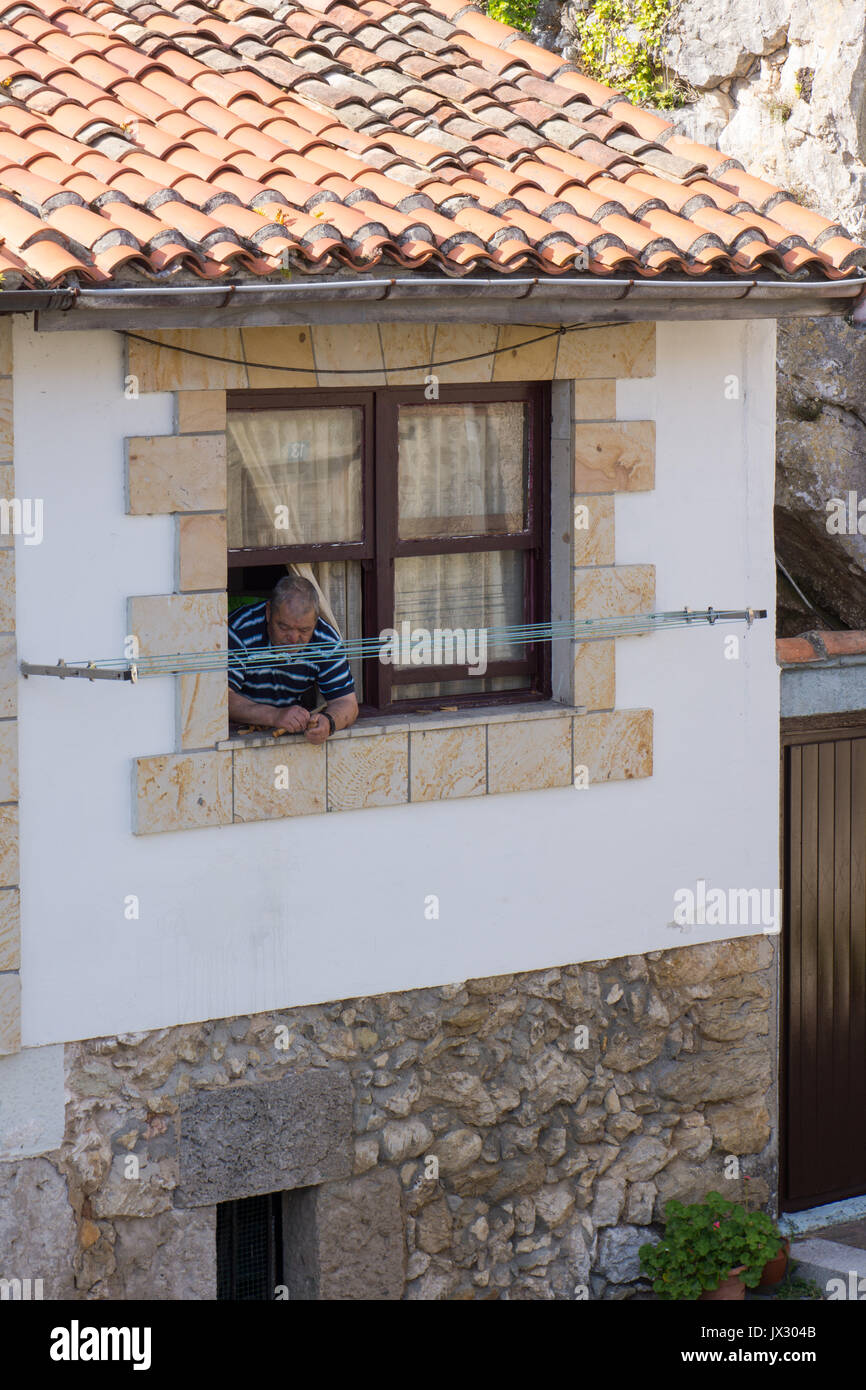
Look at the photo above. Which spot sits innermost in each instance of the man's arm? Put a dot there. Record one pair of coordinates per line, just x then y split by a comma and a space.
343, 710
295, 718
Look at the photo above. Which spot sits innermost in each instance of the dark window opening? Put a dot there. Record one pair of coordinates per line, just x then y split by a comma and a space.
402, 510
249, 1240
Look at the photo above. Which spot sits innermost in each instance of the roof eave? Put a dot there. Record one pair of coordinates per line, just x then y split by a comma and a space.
512, 299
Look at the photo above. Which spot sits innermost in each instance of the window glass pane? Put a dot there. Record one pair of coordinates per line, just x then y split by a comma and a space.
462, 469
468, 687
468, 593
294, 476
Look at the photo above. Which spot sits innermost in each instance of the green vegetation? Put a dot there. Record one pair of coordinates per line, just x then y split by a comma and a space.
518, 13
703, 1242
621, 43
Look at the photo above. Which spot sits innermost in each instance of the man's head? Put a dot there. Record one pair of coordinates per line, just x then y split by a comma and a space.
292, 611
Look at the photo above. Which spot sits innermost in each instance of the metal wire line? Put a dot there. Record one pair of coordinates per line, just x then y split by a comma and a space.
516, 634
368, 371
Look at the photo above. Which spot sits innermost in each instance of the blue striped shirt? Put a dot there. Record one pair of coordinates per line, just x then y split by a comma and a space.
286, 681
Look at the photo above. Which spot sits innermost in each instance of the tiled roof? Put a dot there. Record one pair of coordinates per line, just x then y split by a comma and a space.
141, 139
829, 647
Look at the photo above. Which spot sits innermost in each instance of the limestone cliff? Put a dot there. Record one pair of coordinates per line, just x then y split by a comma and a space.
781, 86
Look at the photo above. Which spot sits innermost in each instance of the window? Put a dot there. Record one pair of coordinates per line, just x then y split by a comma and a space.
433, 514
249, 1248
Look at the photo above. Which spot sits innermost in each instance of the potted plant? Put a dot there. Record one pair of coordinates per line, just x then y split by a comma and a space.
713, 1249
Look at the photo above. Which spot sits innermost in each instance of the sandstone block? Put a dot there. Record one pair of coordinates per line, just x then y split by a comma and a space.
182, 791
529, 755
261, 775
372, 771
10, 931
201, 412
614, 745
201, 551
176, 473
593, 529
614, 591
614, 457
448, 763
623, 350
169, 623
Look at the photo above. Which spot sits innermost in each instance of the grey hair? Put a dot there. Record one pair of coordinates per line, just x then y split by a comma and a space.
297, 592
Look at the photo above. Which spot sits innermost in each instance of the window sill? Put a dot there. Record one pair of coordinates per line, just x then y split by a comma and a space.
416, 723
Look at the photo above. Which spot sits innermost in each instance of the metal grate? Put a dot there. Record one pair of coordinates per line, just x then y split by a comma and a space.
249, 1248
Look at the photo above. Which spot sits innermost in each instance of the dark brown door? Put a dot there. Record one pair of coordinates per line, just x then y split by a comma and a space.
824, 960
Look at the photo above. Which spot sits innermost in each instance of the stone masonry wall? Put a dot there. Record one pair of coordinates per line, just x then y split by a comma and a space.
556, 1149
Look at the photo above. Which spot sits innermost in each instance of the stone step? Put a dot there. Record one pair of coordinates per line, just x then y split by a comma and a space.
826, 1261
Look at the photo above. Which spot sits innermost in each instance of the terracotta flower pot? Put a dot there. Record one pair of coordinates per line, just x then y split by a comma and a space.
730, 1288
774, 1270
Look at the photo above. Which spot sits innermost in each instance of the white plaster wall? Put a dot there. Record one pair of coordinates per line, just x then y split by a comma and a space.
254, 917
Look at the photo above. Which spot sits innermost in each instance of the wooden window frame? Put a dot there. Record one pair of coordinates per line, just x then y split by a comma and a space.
380, 545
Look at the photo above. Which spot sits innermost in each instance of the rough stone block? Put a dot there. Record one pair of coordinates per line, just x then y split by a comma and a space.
201, 412
240, 1141
287, 346
448, 763
615, 457
529, 755
261, 775
8, 759
595, 674
182, 791
10, 929
8, 846
10, 1015
162, 369
345, 1241
620, 350
614, 746
37, 1226
201, 551
372, 771
203, 709
593, 530
168, 623
614, 592
176, 473
535, 362
169, 1257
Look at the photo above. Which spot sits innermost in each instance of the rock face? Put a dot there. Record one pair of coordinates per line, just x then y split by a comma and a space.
781, 86
465, 1142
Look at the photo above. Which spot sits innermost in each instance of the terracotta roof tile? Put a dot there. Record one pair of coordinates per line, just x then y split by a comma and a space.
213, 136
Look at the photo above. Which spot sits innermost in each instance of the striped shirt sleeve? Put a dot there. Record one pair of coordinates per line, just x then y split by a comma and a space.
333, 676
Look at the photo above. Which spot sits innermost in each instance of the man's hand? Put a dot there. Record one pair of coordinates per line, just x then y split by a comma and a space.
318, 729
295, 719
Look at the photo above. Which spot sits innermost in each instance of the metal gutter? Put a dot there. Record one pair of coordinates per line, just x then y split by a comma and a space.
505, 299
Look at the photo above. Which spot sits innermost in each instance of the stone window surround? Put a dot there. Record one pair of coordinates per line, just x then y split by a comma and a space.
214, 780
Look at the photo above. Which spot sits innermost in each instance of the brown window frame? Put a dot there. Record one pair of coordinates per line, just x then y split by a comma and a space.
380, 545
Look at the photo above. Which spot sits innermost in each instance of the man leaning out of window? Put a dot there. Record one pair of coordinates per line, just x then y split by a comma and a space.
273, 695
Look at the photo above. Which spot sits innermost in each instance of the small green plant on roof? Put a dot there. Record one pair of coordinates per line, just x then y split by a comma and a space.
703, 1242
621, 43
518, 13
